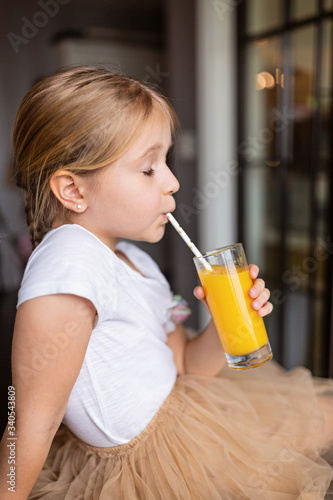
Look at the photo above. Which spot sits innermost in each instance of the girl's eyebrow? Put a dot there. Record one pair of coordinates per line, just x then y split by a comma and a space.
155, 147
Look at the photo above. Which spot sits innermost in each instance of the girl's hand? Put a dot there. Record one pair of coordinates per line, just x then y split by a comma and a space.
259, 293
199, 294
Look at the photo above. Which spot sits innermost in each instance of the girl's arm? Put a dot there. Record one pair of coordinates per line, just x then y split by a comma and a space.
50, 339
204, 355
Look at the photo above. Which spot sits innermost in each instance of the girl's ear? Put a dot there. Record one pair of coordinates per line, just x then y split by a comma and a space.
67, 188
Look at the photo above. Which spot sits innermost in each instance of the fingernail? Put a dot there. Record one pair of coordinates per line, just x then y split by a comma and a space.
253, 292
256, 304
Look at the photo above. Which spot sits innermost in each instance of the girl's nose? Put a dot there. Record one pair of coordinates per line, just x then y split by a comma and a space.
171, 184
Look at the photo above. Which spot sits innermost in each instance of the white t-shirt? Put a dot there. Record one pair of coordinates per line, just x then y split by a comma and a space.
128, 370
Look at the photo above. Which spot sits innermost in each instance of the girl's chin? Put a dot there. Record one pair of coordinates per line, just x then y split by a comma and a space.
157, 236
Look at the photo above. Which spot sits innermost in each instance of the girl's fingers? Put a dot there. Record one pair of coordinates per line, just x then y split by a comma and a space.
258, 292
261, 300
254, 271
257, 288
199, 293
266, 309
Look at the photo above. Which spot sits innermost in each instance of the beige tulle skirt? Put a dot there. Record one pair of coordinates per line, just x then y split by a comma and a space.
260, 434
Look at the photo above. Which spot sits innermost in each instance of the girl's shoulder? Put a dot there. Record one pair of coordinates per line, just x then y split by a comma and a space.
69, 259
69, 241
69, 234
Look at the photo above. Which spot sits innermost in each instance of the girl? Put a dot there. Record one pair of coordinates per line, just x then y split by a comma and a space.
97, 345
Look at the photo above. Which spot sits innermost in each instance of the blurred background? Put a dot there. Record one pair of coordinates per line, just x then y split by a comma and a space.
252, 84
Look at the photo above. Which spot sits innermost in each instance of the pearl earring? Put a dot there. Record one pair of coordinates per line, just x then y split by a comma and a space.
79, 206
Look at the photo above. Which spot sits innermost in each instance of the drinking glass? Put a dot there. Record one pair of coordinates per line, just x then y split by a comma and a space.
225, 278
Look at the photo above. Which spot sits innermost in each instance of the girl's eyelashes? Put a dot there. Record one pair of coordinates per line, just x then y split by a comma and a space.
149, 172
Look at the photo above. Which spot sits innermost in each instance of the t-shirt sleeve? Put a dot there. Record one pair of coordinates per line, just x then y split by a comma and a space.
70, 260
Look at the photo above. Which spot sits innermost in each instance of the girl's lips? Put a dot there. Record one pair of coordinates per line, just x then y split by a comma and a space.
169, 212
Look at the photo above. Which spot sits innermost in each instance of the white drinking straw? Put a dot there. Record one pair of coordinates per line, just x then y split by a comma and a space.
187, 240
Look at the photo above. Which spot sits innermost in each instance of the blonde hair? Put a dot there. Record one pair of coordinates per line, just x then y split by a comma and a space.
80, 119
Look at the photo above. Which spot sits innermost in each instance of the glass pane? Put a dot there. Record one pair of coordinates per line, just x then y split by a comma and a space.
328, 5
263, 15
327, 64
263, 125
322, 181
322, 195
299, 182
301, 9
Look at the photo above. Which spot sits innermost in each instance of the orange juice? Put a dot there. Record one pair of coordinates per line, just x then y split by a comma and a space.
240, 328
